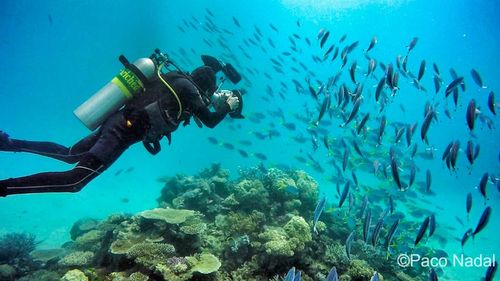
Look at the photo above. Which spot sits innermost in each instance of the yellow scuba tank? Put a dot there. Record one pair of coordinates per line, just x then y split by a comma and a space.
127, 83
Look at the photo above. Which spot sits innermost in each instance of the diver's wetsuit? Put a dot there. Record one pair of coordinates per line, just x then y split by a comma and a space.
96, 152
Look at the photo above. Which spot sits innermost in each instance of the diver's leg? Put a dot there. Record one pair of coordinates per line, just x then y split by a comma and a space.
69, 155
114, 139
69, 181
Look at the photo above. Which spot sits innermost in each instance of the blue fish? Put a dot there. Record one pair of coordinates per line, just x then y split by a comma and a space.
290, 276
317, 212
375, 277
297, 276
292, 189
332, 275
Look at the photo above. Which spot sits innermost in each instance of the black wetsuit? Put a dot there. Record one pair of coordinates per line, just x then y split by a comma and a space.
96, 152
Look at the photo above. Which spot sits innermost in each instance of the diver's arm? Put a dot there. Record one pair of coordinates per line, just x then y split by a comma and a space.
211, 119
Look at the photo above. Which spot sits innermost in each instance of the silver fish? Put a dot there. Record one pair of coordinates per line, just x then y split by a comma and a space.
390, 234
348, 244
373, 42
477, 78
354, 111
317, 212
366, 225
345, 191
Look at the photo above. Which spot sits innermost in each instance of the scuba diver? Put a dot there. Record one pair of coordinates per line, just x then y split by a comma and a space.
145, 102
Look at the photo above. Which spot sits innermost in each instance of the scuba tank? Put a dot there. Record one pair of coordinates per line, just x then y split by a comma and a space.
128, 82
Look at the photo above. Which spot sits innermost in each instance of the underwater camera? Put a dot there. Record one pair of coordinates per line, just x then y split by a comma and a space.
220, 97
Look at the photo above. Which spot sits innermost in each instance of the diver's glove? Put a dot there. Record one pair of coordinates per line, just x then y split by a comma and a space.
233, 102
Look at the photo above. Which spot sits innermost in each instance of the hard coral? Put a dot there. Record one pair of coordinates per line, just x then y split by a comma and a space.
74, 275
76, 259
150, 254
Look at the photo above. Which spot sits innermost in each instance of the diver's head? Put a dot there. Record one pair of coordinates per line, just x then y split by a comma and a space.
204, 77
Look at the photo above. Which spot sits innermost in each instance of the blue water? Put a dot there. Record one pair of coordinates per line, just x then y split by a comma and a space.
55, 54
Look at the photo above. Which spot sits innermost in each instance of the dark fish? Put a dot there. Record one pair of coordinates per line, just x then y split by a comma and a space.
381, 129
453, 85
366, 225
437, 83
428, 181
371, 67
354, 178
345, 159
421, 231
348, 244
345, 191
469, 152
482, 185
390, 234
380, 87
421, 70
313, 92
412, 44
324, 38
447, 151
410, 129
228, 145
324, 108
213, 140
342, 39
372, 44
413, 173
432, 225
477, 78
351, 201
432, 275
485, 217
236, 22
491, 102
317, 212
243, 153
357, 149
260, 156
468, 204
391, 204
335, 53
414, 151
466, 236
490, 272
354, 111
273, 27
332, 275
425, 125
471, 114
362, 123
328, 51
454, 153
436, 69
353, 46
395, 173
376, 231
352, 72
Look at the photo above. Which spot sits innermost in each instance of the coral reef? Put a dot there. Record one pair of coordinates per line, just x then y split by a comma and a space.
15, 249
74, 275
208, 227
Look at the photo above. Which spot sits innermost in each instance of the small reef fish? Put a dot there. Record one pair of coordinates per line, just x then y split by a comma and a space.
317, 212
